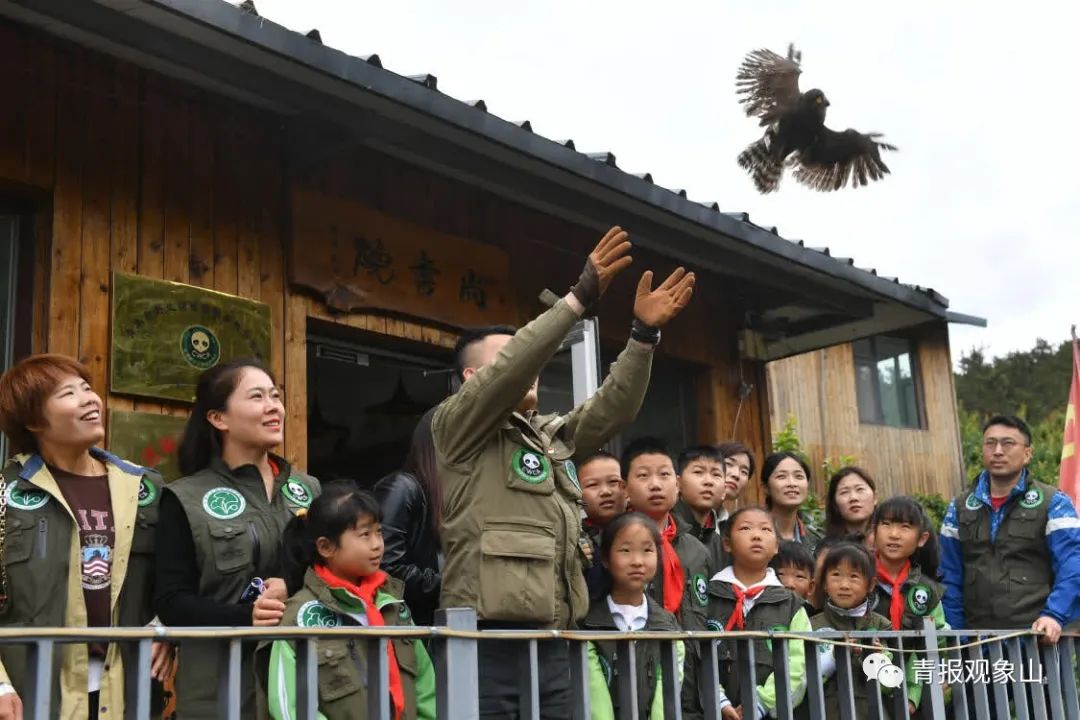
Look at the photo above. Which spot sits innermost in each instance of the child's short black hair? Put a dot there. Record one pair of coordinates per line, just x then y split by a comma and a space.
905, 509
340, 507
641, 446
598, 455
729, 525
613, 528
857, 556
793, 554
830, 541
697, 452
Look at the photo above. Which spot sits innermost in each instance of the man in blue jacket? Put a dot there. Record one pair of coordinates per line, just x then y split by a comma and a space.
1010, 545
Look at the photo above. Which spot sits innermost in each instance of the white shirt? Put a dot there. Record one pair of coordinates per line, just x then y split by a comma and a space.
728, 575
629, 617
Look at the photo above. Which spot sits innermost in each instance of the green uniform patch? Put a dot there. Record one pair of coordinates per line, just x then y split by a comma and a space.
297, 492
605, 667
147, 492
918, 599
1032, 498
26, 498
972, 502
571, 471
313, 614
700, 587
223, 503
714, 625
530, 466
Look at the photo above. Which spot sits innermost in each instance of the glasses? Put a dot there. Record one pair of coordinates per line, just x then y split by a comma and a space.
1006, 444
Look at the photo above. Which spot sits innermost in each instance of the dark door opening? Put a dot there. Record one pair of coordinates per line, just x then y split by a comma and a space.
363, 404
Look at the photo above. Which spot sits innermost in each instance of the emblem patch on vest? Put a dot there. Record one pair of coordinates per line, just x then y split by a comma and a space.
714, 625
297, 492
775, 628
532, 467
972, 502
918, 599
26, 498
313, 614
822, 647
223, 503
701, 588
571, 471
1032, 498
147, 492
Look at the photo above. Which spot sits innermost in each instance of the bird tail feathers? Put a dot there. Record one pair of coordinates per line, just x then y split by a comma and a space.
761, 162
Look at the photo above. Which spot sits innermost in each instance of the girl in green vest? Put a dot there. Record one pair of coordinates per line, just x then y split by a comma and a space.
629, 549
333, 553
907, 565
845, 595
747, 595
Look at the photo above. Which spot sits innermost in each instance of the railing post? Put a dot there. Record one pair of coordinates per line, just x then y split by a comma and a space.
937, 695
1020, 698
709, 677
1000, 694
142, 678
579, 681
781, 677
229, 689
669, 675
307, 678
39, 674
378, 678
626, 671
815, 691
529, 673
747, 674
1052, 674
458, 677
1071, 698
845, 689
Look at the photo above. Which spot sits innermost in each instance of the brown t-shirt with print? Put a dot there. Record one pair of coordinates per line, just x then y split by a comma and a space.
89, 499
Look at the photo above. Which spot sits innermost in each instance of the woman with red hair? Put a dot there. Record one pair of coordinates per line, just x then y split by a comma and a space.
79, 541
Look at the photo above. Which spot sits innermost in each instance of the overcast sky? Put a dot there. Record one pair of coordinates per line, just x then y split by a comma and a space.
982, 100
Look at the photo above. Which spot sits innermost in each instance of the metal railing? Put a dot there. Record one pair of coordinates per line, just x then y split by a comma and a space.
990, 674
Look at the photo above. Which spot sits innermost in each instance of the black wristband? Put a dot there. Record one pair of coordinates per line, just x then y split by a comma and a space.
644, 333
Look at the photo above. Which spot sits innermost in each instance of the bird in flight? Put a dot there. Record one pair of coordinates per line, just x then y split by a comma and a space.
795, 132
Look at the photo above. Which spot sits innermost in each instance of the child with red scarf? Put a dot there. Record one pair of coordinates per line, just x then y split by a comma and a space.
683, 570
907, 567
747, 596
333, 551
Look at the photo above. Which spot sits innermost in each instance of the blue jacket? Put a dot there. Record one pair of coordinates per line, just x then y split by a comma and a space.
1062, 541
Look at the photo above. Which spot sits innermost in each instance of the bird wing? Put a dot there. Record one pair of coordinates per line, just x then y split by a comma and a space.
835, 157
768, 83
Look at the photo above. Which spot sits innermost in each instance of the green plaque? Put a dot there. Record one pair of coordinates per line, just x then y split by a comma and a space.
164, 334
147, 439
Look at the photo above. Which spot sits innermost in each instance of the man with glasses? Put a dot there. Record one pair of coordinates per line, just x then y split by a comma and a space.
1010, 545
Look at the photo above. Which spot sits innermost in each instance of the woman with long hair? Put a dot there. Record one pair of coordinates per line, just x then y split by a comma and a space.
219, 559
786, 479
852, 498
411, 501
58, 472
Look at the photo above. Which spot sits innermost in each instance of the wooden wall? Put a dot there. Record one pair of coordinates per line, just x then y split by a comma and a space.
134, 172
819, 389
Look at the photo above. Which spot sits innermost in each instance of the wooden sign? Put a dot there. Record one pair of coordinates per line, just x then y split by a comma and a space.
357, 258
147, 439
165, 334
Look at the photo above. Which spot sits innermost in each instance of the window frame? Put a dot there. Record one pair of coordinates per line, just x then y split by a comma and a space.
862, 360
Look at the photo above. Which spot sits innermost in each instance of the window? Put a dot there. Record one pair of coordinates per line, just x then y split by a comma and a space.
887, 382
9, 243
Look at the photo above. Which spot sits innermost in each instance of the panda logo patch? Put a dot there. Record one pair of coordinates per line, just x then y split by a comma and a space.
701, 588
1032, 498
919, 600
532, 467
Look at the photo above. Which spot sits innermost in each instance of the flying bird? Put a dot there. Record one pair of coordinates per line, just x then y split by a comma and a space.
795, 132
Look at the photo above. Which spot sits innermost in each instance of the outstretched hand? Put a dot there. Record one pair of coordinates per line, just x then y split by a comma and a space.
607, 260
657, 307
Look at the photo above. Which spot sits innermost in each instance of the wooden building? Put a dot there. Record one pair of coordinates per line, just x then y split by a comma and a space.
375, 216
888, 402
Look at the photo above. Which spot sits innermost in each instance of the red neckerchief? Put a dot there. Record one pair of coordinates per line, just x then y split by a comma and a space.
673, 570
366, 592
896, 606
707, 525
737, 619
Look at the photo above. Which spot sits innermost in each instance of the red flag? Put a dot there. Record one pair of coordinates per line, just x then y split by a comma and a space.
1070, 460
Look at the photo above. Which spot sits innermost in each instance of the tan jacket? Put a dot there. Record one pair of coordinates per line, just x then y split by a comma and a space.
511, 499
45, 581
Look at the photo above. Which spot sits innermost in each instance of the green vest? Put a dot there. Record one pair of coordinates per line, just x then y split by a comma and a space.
237, 534
1007, 580
773, 609
36, 553
343, 661
697, 569
827, 619
921, 595
648, 652
711, 537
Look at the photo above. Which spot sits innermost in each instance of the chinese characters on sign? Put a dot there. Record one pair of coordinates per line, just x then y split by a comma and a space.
982, 671
360, 259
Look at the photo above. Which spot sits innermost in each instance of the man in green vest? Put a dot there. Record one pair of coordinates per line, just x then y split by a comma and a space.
511, 499
1010, 545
